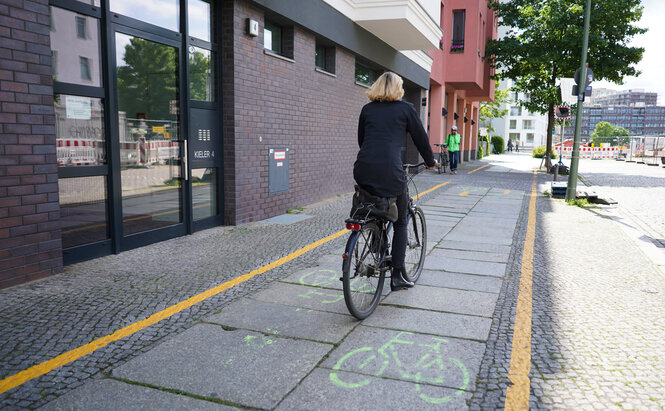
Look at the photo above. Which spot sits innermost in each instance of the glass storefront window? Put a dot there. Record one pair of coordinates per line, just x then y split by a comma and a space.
75, 48
79, 123
163, 13
95, 3
201, 74
149, 123
204, 192
83, 210
198, 19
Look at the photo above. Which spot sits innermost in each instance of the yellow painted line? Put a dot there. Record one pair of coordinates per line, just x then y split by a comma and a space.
464, 193
431, 189
38, 370
506, 191
73, 355
479, 168
517, 396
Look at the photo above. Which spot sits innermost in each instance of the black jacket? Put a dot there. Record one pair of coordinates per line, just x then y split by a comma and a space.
382, 131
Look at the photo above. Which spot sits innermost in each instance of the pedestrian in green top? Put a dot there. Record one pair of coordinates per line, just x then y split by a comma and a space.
453, 141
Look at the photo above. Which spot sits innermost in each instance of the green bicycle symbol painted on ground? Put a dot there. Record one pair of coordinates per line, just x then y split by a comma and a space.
327, 278
423, 363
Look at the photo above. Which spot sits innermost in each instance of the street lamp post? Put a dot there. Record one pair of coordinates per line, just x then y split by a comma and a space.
571, 192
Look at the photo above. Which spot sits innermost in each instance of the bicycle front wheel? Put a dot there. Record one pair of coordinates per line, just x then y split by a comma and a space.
363, 276
416, 245
441, 166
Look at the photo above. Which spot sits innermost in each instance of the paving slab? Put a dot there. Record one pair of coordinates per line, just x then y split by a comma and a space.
445, 299
474, 246
440, 361
324, 275
455, 265
481, 230
500, 240
356, 392
285, 321
112, 395
430, 322
461, 281
243, 367
314, 298
471, 255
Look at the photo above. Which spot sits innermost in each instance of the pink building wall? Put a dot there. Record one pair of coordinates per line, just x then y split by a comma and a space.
463, 76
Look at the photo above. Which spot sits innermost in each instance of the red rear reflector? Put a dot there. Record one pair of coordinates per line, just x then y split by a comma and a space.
345, 256
354, 227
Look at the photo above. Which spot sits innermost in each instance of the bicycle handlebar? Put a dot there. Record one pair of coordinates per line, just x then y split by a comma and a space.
405, 166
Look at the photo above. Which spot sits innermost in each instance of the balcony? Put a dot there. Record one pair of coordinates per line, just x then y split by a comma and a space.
402, 24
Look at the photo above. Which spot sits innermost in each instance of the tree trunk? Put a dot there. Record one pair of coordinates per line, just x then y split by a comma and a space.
550, 124
550, 128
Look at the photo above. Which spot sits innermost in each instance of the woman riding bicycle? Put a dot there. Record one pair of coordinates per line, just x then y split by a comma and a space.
382, 129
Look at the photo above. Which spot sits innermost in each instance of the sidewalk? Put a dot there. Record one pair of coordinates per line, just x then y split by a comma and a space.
294, 345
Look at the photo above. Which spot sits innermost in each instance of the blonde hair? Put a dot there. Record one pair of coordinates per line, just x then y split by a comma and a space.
388, 87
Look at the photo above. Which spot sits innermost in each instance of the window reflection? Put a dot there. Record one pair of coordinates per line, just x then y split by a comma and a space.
79, 131
201, 70
75, 48
148, 116
163, 13
204, 192
83, 210
199, 19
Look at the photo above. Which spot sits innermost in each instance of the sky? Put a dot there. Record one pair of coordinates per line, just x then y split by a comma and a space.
652, 65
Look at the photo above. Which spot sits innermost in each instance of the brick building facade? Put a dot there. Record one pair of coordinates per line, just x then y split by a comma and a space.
123, 127
30, 243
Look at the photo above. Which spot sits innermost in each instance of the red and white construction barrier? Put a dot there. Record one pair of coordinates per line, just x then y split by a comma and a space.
79, 152
590, 152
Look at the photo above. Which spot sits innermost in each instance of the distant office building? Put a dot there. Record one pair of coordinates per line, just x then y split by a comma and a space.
635, 98
639, 120
530, 129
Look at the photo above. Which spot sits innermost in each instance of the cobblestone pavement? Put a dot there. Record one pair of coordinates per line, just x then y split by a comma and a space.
597, 307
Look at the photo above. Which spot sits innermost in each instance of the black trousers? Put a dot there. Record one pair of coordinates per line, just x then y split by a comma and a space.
400, 232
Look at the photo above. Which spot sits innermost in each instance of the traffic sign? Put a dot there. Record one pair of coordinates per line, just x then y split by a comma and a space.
589, 76
562, 112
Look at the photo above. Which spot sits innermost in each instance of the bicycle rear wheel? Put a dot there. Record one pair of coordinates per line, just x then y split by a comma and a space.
417, 244
441, 167
362, 277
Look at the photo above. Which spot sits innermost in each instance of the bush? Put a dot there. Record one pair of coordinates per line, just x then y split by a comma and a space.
498, 144
539, 152
480, 152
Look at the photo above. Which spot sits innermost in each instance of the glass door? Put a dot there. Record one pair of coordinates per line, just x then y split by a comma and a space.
151, 148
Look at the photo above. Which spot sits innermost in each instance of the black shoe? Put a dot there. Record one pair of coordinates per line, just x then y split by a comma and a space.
397, 280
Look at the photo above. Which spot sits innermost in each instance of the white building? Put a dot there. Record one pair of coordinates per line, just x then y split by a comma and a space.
530, 129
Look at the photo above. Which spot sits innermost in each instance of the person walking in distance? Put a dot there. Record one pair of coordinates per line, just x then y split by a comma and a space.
453, 141
382, 131
517, 146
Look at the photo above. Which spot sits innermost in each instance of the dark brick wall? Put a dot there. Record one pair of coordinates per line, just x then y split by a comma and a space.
283, 103
30, 244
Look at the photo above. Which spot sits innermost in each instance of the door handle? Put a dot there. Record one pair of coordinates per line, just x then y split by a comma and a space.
184, 160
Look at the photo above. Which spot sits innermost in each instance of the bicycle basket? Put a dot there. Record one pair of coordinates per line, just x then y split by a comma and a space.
365, 204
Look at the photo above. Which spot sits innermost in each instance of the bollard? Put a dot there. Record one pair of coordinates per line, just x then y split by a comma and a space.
556, 172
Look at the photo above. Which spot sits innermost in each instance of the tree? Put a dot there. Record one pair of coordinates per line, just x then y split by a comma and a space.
607, 133
148, 81
490, 110
544, 42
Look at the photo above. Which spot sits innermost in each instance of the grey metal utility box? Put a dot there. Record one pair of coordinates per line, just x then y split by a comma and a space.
278, 179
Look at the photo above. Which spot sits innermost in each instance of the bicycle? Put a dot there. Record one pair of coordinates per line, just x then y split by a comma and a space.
443, 157
366, 257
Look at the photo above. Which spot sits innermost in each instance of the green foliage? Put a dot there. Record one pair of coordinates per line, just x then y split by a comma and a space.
499, 144
607, 133
148, 80
490, 110
580, 202
545, 43
200, 76
480, 152
539, 152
